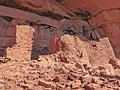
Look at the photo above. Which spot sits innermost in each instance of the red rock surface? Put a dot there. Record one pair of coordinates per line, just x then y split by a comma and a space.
104, 13
60, 49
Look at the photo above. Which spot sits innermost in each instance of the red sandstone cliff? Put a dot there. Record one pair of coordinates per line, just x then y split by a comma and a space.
104, 13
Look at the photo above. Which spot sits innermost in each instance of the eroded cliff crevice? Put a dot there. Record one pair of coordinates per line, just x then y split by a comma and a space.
34, 7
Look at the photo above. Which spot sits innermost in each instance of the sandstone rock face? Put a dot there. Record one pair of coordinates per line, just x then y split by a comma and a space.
46, 40
7, 36
104, 13
7, 11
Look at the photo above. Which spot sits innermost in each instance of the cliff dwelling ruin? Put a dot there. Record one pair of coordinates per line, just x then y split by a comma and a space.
29, 35
59, 45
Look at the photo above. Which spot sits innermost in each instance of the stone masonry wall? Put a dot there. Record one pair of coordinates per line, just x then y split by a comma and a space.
22, 49
32, 41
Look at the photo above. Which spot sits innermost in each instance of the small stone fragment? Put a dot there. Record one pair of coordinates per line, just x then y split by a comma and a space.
56, 79
46, 84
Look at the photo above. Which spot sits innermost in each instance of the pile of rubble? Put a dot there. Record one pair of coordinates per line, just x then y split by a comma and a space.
79, 65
